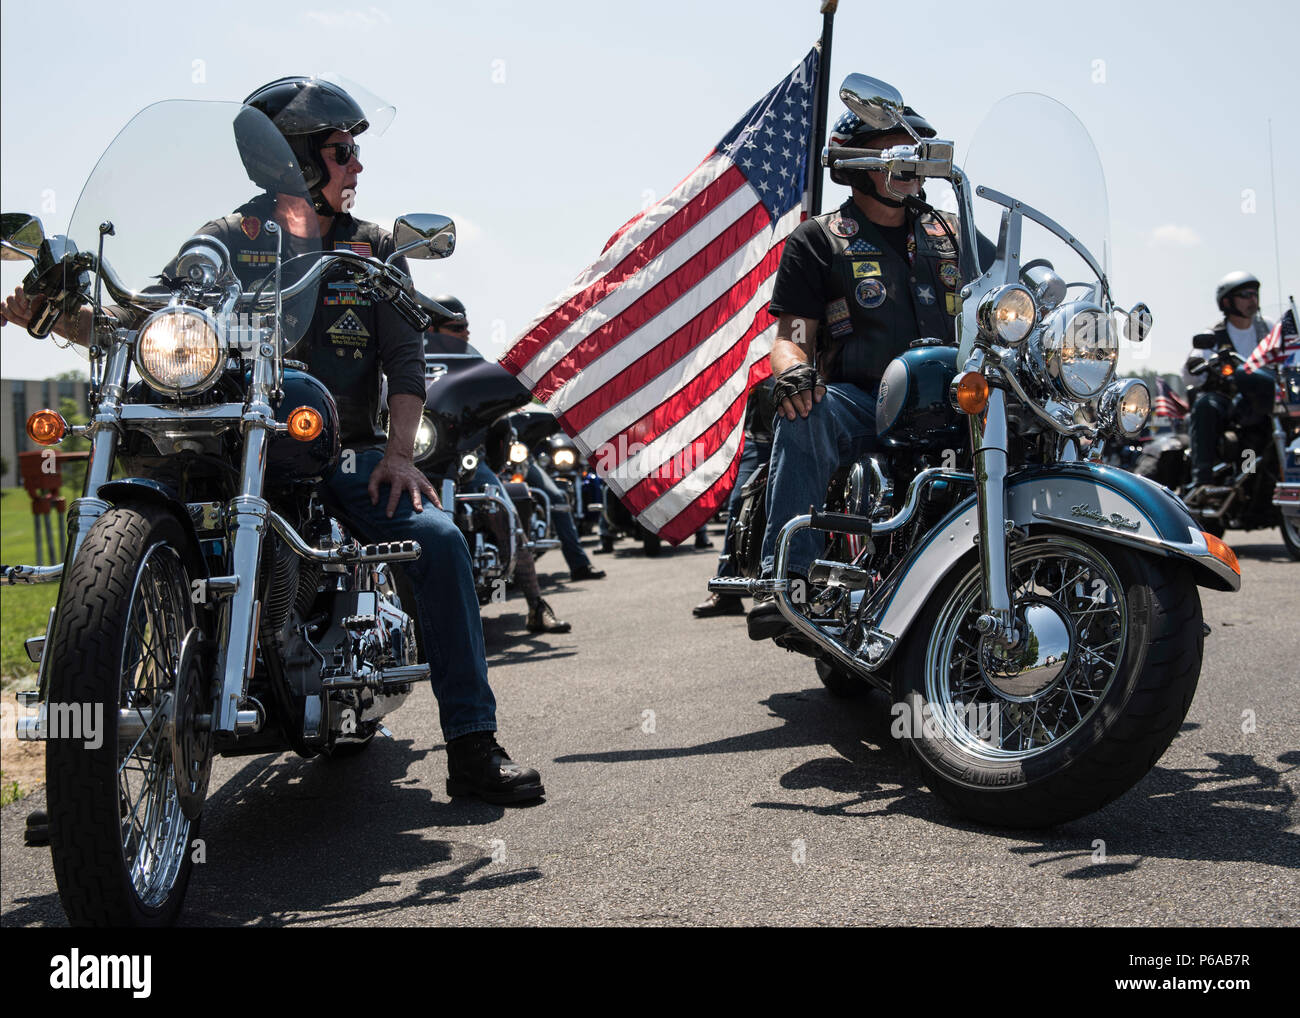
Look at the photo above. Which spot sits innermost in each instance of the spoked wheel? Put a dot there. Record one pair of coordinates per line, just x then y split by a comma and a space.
1291, 535
124, 804
1074, 714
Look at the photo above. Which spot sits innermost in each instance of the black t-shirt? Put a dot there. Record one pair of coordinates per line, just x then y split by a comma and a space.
350, 338
871, 289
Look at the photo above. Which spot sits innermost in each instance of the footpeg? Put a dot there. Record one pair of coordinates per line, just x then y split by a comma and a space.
739, 587
392, 551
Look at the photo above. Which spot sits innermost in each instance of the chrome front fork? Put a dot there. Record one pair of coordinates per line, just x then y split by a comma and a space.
989, 445
247, 518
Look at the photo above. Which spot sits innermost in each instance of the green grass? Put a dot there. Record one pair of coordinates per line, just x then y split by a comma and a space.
10, 792
24, 610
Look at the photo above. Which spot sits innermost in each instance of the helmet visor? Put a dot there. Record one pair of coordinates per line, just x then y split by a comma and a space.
378, 112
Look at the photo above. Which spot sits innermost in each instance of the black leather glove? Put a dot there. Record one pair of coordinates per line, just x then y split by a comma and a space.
795, 379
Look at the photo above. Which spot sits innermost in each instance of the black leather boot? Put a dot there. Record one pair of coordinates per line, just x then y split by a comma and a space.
719, 604
478, 766
541, 619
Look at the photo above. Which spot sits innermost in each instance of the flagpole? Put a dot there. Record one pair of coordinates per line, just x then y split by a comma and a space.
1272, 179
815, 171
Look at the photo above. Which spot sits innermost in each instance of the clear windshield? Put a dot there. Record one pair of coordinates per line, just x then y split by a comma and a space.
179, 165
1035, 150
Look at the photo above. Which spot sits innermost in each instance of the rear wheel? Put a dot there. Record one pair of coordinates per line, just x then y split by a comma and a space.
1077, 713
1291, 535
124, 805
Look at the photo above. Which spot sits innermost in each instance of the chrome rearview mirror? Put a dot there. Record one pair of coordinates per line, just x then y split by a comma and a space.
1138, 324
424, 235
878, 103
21, 236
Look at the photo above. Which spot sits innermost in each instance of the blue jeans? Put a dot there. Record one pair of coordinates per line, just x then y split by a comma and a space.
444, 593
752, 456
805, 453
575, 556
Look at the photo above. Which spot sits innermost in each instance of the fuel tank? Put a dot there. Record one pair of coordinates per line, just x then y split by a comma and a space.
912, 407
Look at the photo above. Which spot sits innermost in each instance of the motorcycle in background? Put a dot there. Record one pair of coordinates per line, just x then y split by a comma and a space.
465, 424
1033, 614
1249, 453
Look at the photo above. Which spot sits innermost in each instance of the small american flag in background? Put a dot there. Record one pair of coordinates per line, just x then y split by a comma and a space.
1167, 402
1276, 349
647, 358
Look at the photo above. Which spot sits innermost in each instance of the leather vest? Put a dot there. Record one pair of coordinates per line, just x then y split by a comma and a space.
340, 345
880, 301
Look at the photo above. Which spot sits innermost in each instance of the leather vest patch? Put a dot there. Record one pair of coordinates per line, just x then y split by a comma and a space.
880, 301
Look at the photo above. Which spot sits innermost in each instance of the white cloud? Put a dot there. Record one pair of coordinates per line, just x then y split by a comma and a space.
351, 19
1173, 235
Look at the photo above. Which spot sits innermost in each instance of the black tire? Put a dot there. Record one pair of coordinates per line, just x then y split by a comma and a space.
1291, 535
840, 681
116, 643
652, 545
1141, 698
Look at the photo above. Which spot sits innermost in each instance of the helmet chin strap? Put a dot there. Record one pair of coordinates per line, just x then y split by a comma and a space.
868, 185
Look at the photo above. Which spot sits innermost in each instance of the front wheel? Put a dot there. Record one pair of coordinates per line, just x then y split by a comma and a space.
1074, 715
126, 659
1291, 535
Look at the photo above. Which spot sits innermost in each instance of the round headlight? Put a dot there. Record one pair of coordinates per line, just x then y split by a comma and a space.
426, 438
518, 452
1007, 312
179, 351
1080, 349
564, 459
1126, 406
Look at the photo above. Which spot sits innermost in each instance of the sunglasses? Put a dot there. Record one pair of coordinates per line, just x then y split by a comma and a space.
1247, 294
343, 152
451, 327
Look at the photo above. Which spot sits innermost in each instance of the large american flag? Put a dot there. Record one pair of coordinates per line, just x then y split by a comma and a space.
1168, 403
647, 358
1277, 349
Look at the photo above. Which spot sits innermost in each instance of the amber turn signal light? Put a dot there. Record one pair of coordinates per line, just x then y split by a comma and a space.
46, 427
305, 423
972, 391
1222, 552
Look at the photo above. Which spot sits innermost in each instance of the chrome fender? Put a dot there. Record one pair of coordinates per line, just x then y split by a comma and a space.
1091, 499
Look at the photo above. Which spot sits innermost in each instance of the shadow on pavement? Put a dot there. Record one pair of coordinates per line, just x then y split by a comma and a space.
291, 840
1237, 810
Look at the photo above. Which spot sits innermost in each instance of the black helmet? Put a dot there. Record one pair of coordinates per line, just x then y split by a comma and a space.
306, 111
451, 304
1230, 284
851, 132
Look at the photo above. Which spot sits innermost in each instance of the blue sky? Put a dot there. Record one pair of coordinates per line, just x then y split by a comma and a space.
542, 127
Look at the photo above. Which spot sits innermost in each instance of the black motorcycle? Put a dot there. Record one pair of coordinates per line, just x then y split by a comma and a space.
540, 440
211, 607
467, 412
1249, 452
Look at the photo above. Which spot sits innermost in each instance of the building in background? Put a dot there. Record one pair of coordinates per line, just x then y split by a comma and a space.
20, 397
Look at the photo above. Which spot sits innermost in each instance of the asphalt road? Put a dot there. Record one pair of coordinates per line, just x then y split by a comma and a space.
696, 778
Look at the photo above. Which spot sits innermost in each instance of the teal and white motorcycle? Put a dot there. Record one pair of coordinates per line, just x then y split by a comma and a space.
1033, 612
